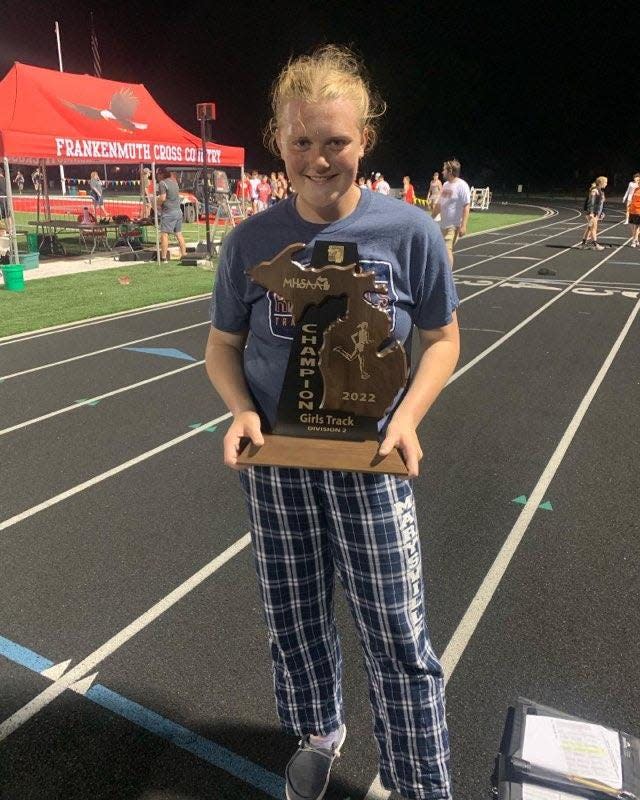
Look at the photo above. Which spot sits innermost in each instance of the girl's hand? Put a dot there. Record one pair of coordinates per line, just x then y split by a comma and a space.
401, 433
245, 425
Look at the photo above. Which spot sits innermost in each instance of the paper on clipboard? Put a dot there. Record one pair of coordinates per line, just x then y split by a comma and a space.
572, 747
531, 791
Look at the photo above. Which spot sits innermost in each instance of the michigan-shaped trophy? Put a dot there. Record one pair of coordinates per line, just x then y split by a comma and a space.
344, 371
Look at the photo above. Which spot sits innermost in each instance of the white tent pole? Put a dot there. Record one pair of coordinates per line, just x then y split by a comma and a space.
12, 219
155, 209
244, 210
63, 183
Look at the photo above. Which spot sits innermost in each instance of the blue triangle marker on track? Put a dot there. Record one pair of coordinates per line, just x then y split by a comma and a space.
521, 500
168, 352
546, 506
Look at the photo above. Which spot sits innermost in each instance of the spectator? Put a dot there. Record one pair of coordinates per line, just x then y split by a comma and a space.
594, 212
374, 182
264, 193
435, 187
306, 526
19, 181
254, 180
382, 187
96, 192
284, 183
36, 179
170, 213
633, 212
453, 205
361, 182
631, 188
5, 219
408, 192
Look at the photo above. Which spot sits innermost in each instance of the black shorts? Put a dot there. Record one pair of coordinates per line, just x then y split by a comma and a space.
634, 219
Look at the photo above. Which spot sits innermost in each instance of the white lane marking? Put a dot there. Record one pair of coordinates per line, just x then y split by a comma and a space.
524, 322
520, 258
537, 264
25, 336
467, 626
89, 663
510, 236
80, 487
484, 330
112, 393
515, 250
476, 609
103, 350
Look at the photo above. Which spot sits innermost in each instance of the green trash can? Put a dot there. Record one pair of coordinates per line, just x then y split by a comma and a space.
32, 242
13, 275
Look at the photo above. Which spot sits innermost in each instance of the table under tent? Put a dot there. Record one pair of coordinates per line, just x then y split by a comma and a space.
50, 119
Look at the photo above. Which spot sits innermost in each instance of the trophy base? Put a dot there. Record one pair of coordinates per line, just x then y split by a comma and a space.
334, 454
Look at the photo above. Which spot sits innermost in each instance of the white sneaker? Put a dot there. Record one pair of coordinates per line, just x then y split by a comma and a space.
634, 244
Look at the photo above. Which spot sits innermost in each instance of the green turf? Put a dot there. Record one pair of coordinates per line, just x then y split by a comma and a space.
52, 301
485, 220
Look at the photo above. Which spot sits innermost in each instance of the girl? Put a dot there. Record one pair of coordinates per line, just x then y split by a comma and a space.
307, 525
96, 191
594, 206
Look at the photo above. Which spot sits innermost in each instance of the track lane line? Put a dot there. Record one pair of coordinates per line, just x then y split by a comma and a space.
97, 397
88, 664
103, 350
80, 487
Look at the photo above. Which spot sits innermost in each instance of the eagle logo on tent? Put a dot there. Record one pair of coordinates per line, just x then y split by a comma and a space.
121, 109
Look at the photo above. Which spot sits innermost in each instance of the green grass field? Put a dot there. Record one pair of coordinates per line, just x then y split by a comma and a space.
57, 300
53, 301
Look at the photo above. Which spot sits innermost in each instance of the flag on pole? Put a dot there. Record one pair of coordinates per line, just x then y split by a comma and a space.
97, 68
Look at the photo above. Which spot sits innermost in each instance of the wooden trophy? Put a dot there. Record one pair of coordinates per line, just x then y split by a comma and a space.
344, 370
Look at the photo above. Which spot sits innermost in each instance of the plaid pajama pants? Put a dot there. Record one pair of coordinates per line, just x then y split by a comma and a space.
305, 525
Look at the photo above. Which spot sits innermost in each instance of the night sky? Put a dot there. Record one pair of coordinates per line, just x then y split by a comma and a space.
543, 94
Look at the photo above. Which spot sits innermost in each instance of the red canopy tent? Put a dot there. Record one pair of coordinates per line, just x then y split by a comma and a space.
51, 117
63, 118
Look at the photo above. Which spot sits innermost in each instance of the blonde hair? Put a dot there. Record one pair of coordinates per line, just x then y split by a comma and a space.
94, 174
331, 72
601, 181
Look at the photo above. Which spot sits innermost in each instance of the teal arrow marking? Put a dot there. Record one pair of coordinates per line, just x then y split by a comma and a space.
207, 428
168, 352
84, 402
522, 500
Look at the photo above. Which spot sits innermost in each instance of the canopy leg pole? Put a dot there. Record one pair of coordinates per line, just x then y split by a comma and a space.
11, 217
244, 206
155, 209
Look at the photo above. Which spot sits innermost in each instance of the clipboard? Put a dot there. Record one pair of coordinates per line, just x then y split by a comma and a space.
512, 771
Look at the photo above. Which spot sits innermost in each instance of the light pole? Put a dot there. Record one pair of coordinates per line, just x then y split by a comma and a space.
204, 112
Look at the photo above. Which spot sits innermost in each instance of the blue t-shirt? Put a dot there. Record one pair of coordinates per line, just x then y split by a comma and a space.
401, 244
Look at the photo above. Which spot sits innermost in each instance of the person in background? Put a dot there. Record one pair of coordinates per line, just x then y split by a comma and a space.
264, 193
36, 180
309, 526
273, 183
382, 187
633, 212
254, 180
453, 205
5, 219
435, 187
374, 182
631, 188
146, 191
594, 212
169, 212
19, 181
361, 182
408, 192
369, 184
96, 192
284, 183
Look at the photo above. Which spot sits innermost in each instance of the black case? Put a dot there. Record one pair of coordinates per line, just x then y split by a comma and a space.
511, 770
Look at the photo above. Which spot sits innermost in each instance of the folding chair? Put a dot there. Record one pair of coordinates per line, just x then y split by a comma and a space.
93, 235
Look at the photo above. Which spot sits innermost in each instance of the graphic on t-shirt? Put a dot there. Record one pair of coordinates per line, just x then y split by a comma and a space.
280, 319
